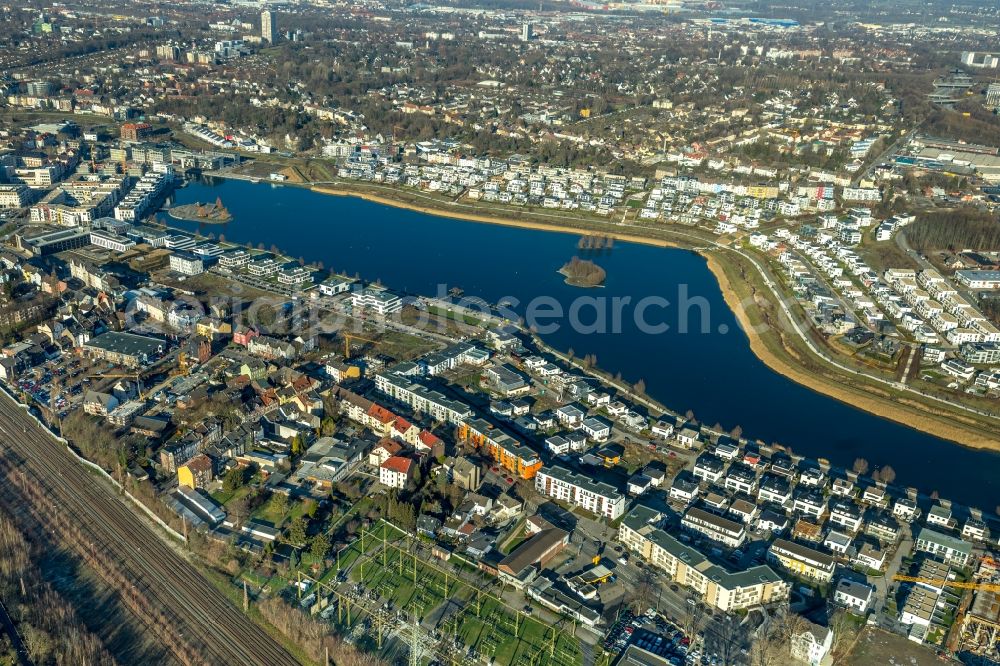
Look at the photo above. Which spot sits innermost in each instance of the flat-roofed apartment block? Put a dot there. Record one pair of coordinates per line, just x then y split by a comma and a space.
580, 490
801, 560
511, 454
720, 588
421, 398
379, 301
722, 530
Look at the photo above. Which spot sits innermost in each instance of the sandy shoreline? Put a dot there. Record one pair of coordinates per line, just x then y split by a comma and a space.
954, 432
490, 219
915, 416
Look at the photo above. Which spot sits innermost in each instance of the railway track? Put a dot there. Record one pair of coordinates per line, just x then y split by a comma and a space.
221, 632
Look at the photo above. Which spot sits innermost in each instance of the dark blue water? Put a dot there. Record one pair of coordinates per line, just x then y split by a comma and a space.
711, 372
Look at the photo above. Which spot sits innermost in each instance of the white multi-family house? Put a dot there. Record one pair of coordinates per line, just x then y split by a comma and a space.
809, 502
709, 468
741, 479
774, 489
853, 595
846, 514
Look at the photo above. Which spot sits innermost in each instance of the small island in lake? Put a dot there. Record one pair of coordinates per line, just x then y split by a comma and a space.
198, 212
583, 273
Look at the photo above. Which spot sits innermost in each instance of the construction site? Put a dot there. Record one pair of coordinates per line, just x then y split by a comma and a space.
388, 592
980, 623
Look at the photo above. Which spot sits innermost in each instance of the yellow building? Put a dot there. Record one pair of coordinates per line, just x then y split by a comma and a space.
717, 586
195, 473
801, 560
212, 328
762, 192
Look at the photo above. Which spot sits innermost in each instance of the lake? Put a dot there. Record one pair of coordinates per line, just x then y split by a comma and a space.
708, 369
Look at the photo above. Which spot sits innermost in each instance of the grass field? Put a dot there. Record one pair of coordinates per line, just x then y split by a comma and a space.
423, 590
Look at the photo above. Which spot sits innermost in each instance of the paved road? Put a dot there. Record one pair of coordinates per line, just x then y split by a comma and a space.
200, 612
904, 245
23, 658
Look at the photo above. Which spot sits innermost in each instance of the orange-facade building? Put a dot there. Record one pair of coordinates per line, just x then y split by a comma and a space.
507, 451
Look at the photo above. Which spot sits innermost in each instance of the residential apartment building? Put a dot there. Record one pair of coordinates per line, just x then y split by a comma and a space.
853, 595
579, 490
380, 301
950, 549
15, 196
421, 398
509, 453
722, 589
729, 533
801, 560
396, 472
709, 468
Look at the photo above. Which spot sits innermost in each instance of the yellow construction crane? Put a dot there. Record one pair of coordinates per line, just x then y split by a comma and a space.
939, 582
348, 338
183, 368
137, 376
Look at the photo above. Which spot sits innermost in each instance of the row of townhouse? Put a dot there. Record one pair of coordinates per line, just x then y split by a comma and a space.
718, 587
808, 492
920, 296
141, 198
802, 561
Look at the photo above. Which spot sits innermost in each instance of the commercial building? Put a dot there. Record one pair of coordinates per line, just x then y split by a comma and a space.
50, 242
993, 95
580, 490
335, 284
522, 565
801, 560
111, 241
980, 60
722, 589
126, 349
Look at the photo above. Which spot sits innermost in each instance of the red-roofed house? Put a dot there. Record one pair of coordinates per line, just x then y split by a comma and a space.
380, 420
430, 443
384, 450
406, 431
396, 471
